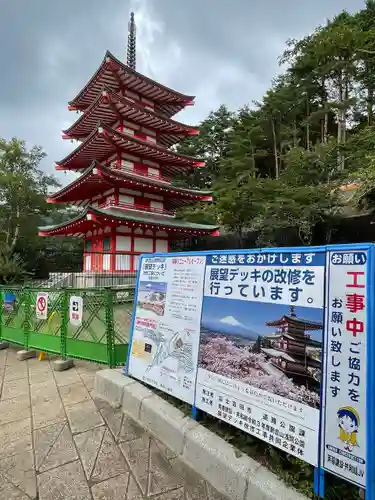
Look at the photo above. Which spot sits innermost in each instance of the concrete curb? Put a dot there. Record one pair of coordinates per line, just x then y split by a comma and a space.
237, 477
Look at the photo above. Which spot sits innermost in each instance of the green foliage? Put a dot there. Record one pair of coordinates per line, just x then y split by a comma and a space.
280, 164
12, 267
23, 191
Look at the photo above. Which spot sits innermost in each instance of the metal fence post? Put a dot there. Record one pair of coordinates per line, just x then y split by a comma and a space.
110, 331
27, 320
64, 323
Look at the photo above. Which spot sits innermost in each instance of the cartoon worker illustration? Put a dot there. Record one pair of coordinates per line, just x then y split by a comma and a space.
348, 422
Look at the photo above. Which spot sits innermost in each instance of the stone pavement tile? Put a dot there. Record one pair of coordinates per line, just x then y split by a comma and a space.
43, 441
112, 416
89, 380
14, 409
15, 437
133, 491
19, 469
42, 374
8, 491
15, 388
195, 486
112, 489
43, 392
136, 453
164, 475
110, 461
173, 495
65, 482
88, 444
67, 377
53, 447
86, 366
15, 370
48, 412
83, 416
73, 394
130, 430
164, 450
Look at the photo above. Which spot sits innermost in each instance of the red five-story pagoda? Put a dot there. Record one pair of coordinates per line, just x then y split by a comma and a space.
125, 189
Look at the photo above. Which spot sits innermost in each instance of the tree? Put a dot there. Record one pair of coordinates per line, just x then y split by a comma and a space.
211, 145
23, 191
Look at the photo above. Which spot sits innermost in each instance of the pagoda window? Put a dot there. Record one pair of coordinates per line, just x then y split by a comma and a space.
87, 262
157, 206
125, 198
151, 163
123, 262
143, 245
106, 244
130, 191
153, 172
147, 131
123, 243
88, 245
162, 245
153, 196
151, 139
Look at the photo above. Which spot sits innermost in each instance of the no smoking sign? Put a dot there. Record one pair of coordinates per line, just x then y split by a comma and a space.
41, 307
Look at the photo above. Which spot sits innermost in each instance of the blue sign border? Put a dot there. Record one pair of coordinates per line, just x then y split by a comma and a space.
370, 353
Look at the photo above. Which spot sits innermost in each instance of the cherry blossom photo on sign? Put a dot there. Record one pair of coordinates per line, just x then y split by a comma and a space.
273, 347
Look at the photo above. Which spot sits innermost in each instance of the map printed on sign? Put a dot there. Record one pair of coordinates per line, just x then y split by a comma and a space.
41, 305
164, 345
260, 346
344, 427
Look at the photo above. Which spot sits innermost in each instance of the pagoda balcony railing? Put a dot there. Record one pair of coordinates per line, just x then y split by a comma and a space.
135, 206
155, 177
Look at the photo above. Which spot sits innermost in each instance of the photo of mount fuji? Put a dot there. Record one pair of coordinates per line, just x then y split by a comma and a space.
229, 325
275, 347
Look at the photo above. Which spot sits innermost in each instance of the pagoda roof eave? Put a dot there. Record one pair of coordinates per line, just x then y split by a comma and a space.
128, 217
99, 110
134, 81
309, 325
118, 175
123, 142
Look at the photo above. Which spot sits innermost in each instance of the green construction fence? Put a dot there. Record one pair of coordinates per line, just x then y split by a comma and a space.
101, 335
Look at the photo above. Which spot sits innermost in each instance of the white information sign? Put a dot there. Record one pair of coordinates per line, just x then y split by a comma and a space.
165, 337
41, 305
75, 310
344, 422
260, 347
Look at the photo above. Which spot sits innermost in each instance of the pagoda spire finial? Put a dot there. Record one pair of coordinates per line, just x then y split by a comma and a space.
131, 52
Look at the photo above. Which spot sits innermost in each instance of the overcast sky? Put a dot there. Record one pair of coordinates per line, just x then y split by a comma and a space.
222, 51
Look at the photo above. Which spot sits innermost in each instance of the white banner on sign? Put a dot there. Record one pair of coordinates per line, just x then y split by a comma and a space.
41, 305
344, 412
261, 345
286, 424
76, 310
261, 284
165, 337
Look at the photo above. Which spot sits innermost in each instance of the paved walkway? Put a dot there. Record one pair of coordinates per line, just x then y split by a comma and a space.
58, 443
